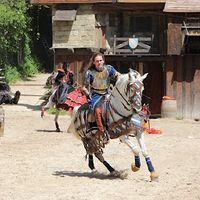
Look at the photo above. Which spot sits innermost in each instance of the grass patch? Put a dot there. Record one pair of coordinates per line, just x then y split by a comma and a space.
53, 111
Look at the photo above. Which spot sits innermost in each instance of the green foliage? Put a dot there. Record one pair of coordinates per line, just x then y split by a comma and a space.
13, 24
11, 74
54, 110
30, 67
15, 49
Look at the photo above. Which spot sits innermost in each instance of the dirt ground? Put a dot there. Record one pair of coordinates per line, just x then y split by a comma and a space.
31, 153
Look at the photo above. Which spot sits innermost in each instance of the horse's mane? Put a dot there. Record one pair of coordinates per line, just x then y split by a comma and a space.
123, 78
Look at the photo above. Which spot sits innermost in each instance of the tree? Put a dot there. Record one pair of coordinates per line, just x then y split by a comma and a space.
14, 36
13, 26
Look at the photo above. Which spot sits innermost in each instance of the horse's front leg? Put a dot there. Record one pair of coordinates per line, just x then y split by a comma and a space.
140, 138
91, 163
136, 165
56, 120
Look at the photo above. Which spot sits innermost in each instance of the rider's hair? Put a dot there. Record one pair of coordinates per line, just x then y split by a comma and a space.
59, 65
91, 64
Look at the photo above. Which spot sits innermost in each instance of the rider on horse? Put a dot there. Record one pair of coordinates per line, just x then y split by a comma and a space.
62, 80
96, 86
65, 80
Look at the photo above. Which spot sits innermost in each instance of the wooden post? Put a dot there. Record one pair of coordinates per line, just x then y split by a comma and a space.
2, 116
114, 45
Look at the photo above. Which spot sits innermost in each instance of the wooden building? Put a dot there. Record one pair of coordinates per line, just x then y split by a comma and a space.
161, 37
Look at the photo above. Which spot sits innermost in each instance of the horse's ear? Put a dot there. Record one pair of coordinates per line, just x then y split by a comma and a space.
131, 70
144, 76
129, 74
132, 73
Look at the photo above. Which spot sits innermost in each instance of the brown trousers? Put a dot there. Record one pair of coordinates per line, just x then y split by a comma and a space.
98, 116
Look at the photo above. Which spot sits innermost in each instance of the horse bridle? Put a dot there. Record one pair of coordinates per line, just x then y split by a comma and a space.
135, 98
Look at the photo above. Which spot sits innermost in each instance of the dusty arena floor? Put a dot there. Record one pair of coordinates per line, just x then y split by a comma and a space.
37, 163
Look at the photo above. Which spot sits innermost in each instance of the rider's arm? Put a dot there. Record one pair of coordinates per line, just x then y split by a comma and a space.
87, 82
113, 74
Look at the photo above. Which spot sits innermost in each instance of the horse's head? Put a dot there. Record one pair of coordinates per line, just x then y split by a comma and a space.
135, 88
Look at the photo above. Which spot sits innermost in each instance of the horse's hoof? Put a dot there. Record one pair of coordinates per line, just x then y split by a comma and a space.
122, 174
58, 130
114, 174
154, 176
94, 171
134, 168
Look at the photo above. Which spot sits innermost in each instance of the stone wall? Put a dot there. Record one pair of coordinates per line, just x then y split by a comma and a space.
75, 34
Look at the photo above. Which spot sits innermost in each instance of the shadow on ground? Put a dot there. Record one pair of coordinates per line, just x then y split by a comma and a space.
48, 131
31, 107
96, 175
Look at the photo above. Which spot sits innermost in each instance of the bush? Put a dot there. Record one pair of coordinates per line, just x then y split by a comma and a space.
30, 67
11, 74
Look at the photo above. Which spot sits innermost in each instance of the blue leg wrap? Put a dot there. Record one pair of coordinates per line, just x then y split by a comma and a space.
149, 164
137, 161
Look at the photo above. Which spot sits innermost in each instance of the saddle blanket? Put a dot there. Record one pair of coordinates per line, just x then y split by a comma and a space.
75, 98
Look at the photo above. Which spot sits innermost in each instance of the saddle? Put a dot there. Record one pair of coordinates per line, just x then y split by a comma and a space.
88, 122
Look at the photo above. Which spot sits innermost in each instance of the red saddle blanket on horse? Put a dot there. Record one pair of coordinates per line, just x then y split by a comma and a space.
75, 98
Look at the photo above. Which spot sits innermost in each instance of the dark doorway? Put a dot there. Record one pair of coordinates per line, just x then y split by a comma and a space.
154, 85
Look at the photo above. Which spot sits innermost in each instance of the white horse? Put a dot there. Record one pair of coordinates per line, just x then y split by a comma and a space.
124, 103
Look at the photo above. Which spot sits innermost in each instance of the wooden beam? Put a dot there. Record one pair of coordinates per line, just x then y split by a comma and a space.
141, 1
65, 15
182, 6
69, 1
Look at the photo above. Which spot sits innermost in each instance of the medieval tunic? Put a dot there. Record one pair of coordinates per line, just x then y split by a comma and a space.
99, 82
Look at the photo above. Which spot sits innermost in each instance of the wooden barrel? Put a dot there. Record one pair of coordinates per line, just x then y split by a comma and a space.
2, 118
169, 108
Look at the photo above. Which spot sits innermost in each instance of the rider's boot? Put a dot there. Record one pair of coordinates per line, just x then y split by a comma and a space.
16, 97
98, 116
